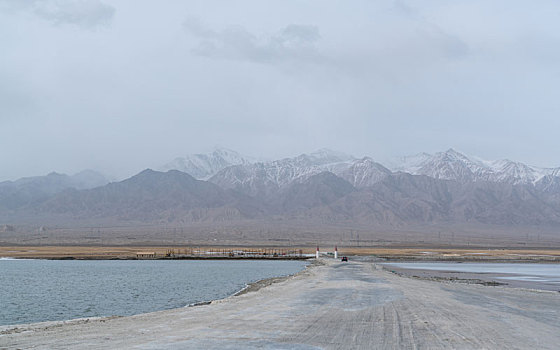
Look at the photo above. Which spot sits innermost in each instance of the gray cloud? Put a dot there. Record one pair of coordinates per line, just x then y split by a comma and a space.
15, 102
428, 36
392, 78
432, 38
82, 13
293, 42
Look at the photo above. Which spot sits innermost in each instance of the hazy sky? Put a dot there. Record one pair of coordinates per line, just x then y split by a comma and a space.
119, 86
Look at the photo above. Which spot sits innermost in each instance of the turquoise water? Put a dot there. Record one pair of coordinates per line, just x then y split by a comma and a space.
543, 273
49, 290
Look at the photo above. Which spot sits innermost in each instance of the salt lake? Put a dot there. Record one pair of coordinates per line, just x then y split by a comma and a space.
50, 290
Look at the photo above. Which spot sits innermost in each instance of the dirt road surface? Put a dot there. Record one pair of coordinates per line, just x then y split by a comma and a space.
354, 305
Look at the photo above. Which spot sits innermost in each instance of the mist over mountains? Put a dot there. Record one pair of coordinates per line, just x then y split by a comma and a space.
202, 166
323, 187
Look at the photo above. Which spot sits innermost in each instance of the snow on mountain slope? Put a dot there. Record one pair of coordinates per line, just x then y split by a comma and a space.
271, 176
514, 172
453, 165
267, 177
363, 172
203, 166
232, 171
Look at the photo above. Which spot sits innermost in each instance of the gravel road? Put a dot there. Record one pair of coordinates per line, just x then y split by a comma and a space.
354, 305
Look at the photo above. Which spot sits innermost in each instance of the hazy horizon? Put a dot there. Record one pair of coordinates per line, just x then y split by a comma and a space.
120, 86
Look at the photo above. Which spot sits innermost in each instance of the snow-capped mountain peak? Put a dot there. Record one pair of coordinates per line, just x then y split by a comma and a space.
512, 172
275, 175
449, 165
363, 172
229, 169
454, 165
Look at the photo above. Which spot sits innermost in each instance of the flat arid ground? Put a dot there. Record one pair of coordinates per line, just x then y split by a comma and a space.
331, 305
397, 253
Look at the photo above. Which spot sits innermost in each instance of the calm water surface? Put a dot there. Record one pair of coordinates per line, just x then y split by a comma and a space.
549, 273
48, 290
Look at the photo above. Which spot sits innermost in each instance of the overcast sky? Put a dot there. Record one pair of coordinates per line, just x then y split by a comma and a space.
119, 86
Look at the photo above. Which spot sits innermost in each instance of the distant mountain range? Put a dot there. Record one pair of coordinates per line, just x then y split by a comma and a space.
446, 188
254, 178
452, 165
230, 169
29, 191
